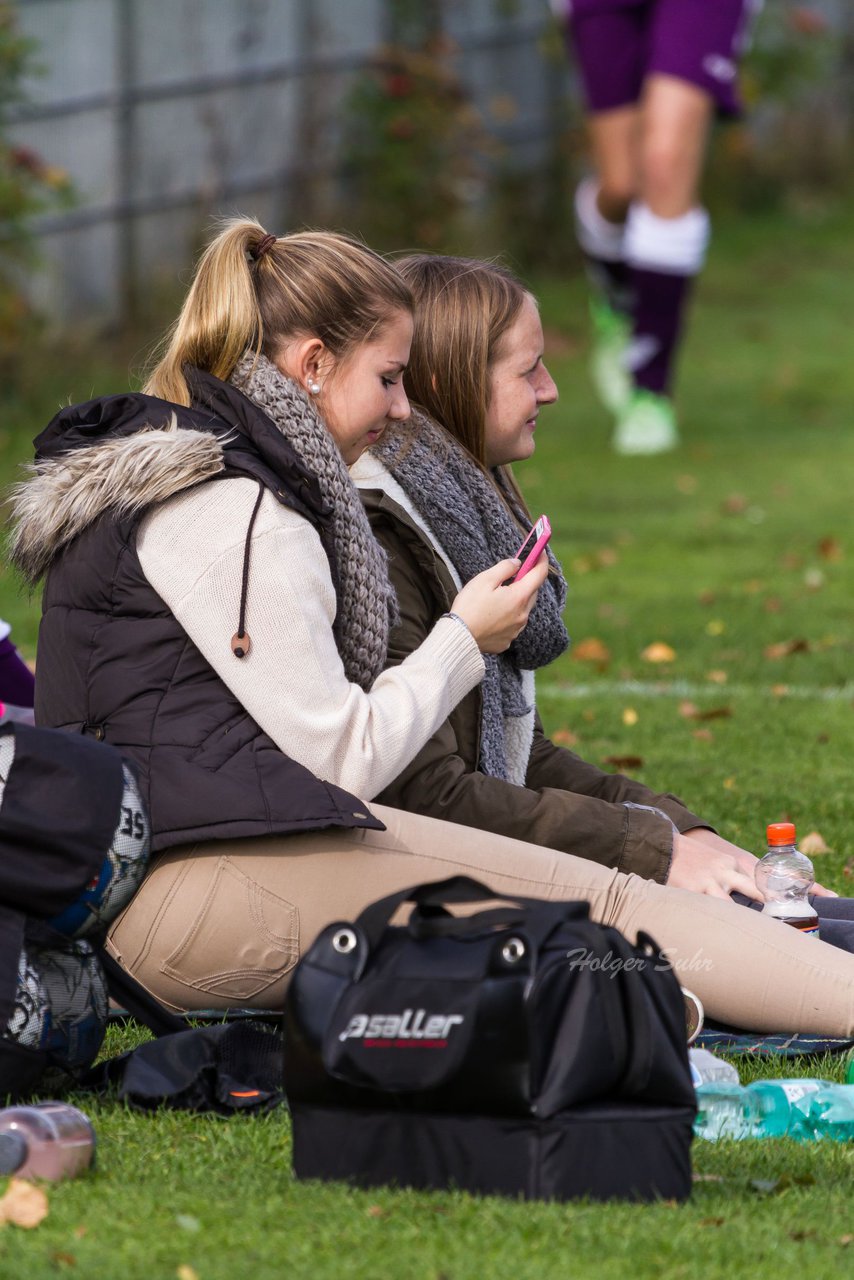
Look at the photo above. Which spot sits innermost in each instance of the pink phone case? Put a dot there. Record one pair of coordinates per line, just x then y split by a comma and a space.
529, 552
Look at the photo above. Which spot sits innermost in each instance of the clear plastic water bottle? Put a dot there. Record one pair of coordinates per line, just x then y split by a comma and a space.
784, 877
706, 1068
47, 1140
830, 1113
781, 1106
724, 1111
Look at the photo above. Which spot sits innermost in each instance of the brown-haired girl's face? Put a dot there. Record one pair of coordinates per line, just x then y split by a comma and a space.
519, 384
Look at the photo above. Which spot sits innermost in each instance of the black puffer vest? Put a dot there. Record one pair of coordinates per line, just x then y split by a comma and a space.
114, 662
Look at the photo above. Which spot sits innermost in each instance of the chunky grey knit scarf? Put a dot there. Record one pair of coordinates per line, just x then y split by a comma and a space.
468, 512
366, 602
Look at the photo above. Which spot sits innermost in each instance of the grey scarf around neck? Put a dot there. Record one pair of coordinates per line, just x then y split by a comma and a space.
468, 512
367, 606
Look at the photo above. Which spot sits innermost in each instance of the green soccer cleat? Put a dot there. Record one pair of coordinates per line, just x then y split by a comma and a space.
647, 424
610, 336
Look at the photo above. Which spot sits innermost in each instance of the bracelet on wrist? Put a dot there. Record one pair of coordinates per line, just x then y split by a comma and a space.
456, 617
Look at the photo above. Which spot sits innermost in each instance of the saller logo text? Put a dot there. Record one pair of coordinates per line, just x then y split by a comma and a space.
411, 1025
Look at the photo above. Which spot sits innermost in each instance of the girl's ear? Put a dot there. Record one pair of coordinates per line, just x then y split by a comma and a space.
308, 361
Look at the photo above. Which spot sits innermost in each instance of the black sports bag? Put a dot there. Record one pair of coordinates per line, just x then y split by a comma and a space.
521, 1051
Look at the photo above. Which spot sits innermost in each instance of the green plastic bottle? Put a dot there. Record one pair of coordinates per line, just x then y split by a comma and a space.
781, 1105
831, 1113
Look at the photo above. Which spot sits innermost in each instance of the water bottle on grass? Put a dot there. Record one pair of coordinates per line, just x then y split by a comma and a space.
724, 1111
706, 1068
780, 1106
47, 1140
829, 1113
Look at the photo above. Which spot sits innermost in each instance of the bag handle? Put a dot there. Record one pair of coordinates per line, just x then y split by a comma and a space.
640, 1027
427, 921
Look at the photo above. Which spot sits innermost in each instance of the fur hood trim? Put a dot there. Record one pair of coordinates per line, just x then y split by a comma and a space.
67, 493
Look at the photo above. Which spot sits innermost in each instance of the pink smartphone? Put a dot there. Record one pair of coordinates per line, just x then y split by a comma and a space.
529, 552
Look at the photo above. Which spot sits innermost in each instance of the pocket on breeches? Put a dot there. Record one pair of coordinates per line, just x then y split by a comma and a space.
243, 939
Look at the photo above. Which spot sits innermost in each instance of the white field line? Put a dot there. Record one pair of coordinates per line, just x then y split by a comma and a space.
687, 689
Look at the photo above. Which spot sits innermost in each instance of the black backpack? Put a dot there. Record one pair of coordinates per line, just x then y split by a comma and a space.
74, 847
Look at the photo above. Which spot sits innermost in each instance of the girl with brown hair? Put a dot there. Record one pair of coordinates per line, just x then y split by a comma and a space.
216, 606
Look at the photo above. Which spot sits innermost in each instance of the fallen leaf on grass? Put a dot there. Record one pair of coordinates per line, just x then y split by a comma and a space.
717, 677
715, 627
64, 1259
830, 549
779, 690
786, 647
735, 505
711, 1222
185, 1272
773, 604
606, 557
630, 716
625, 762
591, 649
686, 484
813, 579
846, 1239
848, 869
376, 1211
691, 712
658, 652
813, 843
81, 1231
565, 738
703, 735
24, 1205
729, 784
707, 597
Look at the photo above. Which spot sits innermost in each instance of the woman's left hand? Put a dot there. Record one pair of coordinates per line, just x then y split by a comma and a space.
747, 861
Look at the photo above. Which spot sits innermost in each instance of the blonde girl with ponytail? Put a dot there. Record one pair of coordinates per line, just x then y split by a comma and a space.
216, 606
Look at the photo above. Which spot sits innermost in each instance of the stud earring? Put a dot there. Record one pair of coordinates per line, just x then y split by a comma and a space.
314, 388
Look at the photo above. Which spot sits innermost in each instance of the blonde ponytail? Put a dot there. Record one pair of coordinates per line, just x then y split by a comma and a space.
252, 291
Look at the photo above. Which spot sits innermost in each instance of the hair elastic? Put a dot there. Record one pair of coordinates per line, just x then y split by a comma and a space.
262, 247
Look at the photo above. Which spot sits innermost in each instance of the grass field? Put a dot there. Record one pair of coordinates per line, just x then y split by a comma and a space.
737, 552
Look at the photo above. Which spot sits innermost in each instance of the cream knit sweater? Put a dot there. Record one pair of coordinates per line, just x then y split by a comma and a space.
292, 681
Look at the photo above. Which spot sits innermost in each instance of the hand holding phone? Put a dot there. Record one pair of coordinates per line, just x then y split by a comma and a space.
532, 547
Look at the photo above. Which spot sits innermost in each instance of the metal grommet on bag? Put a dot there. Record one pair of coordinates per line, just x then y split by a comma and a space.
344, 941
513, 951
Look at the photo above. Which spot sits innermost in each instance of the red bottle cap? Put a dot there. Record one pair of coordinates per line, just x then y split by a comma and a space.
780, 833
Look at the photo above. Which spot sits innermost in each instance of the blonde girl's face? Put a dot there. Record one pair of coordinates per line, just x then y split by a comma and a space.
361, 395
519, 385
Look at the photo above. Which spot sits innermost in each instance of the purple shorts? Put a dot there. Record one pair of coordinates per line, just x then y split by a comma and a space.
618, 43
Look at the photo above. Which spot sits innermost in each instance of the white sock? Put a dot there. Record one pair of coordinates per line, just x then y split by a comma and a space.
597, 236
676, 246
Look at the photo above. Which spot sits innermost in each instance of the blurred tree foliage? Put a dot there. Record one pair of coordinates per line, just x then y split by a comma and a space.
27, 186
414, 146
794, 141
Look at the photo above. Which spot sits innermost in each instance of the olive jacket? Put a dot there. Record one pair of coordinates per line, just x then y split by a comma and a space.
566, 803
